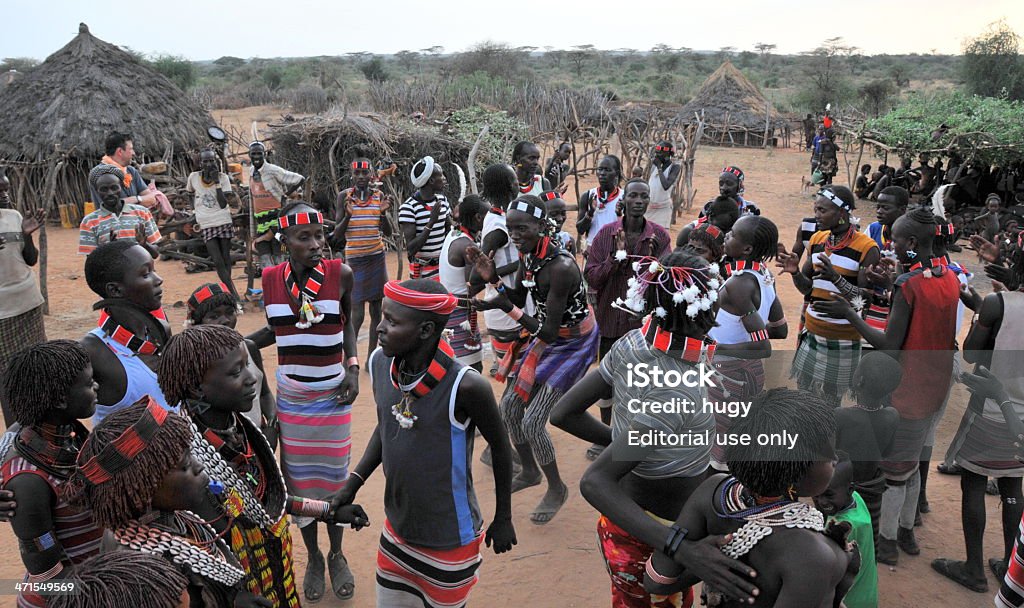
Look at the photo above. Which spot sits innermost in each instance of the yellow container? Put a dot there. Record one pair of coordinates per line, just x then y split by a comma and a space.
89, 207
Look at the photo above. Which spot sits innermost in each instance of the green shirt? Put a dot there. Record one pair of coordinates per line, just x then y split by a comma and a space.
864, 592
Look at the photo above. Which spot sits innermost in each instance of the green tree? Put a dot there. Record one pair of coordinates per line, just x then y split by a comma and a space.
498, 60
877, 96
900, 72
181, 71
579, 56
374, 70
271, 76
992, 64
827, 83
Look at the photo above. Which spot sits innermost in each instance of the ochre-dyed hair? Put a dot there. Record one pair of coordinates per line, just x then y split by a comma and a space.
129, 493
189, 355
39, 377
119, 579
772, 469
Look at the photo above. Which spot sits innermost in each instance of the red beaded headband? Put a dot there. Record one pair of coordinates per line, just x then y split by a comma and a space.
664, 149
204, 293
298, 219
119, 453
734, 171
550, 195
360, 164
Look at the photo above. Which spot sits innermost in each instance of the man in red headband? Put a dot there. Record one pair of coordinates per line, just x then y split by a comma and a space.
424, 440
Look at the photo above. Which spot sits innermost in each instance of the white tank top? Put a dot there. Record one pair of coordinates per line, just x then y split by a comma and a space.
730, 328
452, 277
536, 186
602, 217
660, 197
503, 256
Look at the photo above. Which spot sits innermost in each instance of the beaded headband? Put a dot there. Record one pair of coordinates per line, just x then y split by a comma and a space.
441, 303
120, 453
667, 148
711, 229
360, 164
548, 195
526, 207
944, 230
734, 171
204, 293
298, 219
834, 199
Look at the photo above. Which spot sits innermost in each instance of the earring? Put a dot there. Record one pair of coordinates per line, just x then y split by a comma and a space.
912, 254
791, 492
842, 221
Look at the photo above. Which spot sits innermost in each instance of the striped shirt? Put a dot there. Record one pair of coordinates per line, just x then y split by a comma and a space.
95, 227
362, 237
662, 462
846, 262
808, 226
415, 211
315, 354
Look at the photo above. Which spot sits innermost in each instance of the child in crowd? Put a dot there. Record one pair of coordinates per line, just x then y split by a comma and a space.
557, 213
706, 241
840, 503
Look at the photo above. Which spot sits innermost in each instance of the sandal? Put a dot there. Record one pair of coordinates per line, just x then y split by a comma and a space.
954, 571
342, 582
998, 567
951, 469
313, 582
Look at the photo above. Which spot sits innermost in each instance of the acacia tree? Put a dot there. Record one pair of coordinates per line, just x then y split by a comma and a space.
992, 63
763, 48
828, 83
877, 96
579, 55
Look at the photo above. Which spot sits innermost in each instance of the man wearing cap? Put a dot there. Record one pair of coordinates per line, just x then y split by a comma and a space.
664, 174
424, 219
428, 408
269, 186
839, 257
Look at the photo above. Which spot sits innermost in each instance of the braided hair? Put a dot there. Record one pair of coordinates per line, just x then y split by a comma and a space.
771, 470
39, 377
520, 149
107, 264
500, 184
714, 244
119, 578
189, 355
765, 242
103, 169
128, 494
921, 224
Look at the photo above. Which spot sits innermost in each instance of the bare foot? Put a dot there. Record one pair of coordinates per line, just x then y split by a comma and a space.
521, 482
550, 504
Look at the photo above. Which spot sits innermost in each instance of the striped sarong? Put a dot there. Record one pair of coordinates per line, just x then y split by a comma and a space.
1011, 591
558, 365
420, 577
22, 331
825, 366
905, 454
369, 272
315, 438
984, 444
736, 380
465, 338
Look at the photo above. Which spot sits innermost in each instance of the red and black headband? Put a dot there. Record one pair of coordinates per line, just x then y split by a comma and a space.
204, 293
119, 453
734, 171
548, 195
441, 303
360, 164
299, 219
665, 148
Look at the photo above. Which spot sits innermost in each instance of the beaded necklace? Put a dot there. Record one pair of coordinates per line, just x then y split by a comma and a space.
691, 350
421, 385
761, 519
52, 448
832, 244
607, 197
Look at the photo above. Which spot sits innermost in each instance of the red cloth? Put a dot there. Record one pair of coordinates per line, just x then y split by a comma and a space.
625, 558
927, 352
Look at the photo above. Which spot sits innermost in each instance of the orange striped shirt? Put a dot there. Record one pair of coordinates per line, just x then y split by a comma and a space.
363, 236
846, 262
96, 227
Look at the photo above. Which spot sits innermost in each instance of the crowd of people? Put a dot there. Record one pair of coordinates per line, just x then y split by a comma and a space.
196, 460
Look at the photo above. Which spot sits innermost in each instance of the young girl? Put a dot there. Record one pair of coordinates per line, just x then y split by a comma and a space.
213, 304
707, 241
210, 190
49, 388
782, 539
749, 314
205, 370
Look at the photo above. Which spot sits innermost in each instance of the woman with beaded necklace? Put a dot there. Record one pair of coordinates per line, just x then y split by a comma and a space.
205, 370
798, 562
49, 388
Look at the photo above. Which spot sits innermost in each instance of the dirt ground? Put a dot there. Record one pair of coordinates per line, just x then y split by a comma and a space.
559, 565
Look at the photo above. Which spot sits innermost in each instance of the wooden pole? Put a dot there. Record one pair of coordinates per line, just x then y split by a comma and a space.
471, 161
47, 204
860, 156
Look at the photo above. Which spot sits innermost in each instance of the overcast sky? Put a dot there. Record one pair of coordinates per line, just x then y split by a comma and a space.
295, 28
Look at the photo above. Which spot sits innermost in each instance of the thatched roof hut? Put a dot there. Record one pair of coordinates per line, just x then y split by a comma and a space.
322, 146
77, 97
735, 112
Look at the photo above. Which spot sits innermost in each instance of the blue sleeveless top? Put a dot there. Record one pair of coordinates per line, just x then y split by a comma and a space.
141, 380
430, 503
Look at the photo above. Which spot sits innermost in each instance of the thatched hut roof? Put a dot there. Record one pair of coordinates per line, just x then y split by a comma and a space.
727, 97
84, 91
321, 147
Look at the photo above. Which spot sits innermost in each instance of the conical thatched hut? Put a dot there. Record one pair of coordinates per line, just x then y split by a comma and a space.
735, 113
78, 96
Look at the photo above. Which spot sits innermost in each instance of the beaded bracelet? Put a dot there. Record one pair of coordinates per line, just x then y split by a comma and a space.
516, 313
759, 335
305, 507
